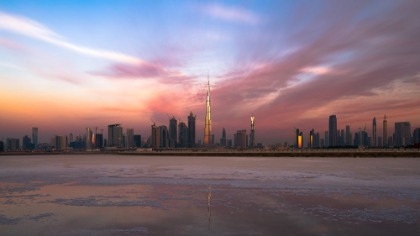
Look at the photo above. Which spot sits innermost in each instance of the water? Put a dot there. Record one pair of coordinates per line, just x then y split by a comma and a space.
140, 195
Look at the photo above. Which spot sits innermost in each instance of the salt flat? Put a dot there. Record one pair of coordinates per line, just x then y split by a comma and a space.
143, 195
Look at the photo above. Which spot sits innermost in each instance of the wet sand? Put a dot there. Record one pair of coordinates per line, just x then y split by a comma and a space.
133, 195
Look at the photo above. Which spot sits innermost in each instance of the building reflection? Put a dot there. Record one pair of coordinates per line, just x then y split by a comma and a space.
209, 204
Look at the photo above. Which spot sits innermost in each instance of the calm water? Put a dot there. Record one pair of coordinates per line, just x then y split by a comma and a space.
136, 195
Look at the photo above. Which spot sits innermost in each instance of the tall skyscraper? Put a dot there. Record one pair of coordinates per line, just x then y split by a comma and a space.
173, 132
385, 132
137, 141
130, 138
241, 138
26, 143
183, 135
332, 130
327, 141
348, 136
164, 136
402, 134
115, 134
35, 137
223, 139
89, 138
416, 135
155, 138
374, 132
311, 138
207, 122
191, 130
252, 143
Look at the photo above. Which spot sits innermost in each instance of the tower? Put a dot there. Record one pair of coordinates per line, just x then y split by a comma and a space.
332, 131
374, 132
35, 137
173, 132
191, 130
223, 139
385, 131
207, 122
252, 134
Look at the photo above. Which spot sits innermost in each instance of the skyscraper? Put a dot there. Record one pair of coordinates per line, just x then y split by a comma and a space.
183, 135
223, 139
89, 138
35, 137
348, 136
402, 134
327, 141
385, 132
241, 138
130, 138
191, 130
252, 143
173, 132
311, 138
26, 143
332, 130
374, 132
115, 133
207, 122
155, 136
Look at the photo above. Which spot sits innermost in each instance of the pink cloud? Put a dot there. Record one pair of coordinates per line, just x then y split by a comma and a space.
228, 13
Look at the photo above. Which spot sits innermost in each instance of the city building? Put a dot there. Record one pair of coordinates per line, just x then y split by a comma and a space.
332, 130
155, 136
223, 139
60, 142
130, 138
137, 142
89, 138
207, 141
416, 135
252, 142
311, 138
385, 132
35, 137
374, 144
99, 141
191, 131
173, 132
183, 135
12, 144
316, 140
241, 139
327, 141
348, 136
229, 143
164, 136
379, 141
115, 134
402, 134
1, 146
26, 143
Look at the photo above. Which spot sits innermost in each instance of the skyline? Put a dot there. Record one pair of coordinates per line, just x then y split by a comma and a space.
71, 65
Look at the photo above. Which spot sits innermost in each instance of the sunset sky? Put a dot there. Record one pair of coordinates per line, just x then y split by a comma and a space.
70, 65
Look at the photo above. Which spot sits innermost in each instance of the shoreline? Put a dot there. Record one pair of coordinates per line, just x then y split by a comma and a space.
257, 153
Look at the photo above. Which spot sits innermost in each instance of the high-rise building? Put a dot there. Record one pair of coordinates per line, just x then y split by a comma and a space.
137, 141
374, 132
35, 137
1, 146
71, 138
115, 134
191, 130
316, 140
332, 130
229, 143
89, 138
348, 136
12, 144
402, 134
356, 139
327, 141
60, 142
99, 141
183, 135
342, 138
223, 139
379, 141
26, 143
385, 132
155, 136
207, 122
164, 136
241, 138
416, 135
173, 132
311, 138
252, 142
130, 138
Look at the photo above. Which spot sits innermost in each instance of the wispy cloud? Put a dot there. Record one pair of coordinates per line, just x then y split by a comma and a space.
24, 26
228, 13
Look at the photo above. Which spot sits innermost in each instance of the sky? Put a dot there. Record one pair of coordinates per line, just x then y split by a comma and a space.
68, 65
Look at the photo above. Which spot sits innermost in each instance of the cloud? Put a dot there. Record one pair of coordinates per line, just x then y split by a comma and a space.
227, 13
33, 29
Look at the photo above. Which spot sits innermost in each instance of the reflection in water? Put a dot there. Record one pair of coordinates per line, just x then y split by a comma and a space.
209, 204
